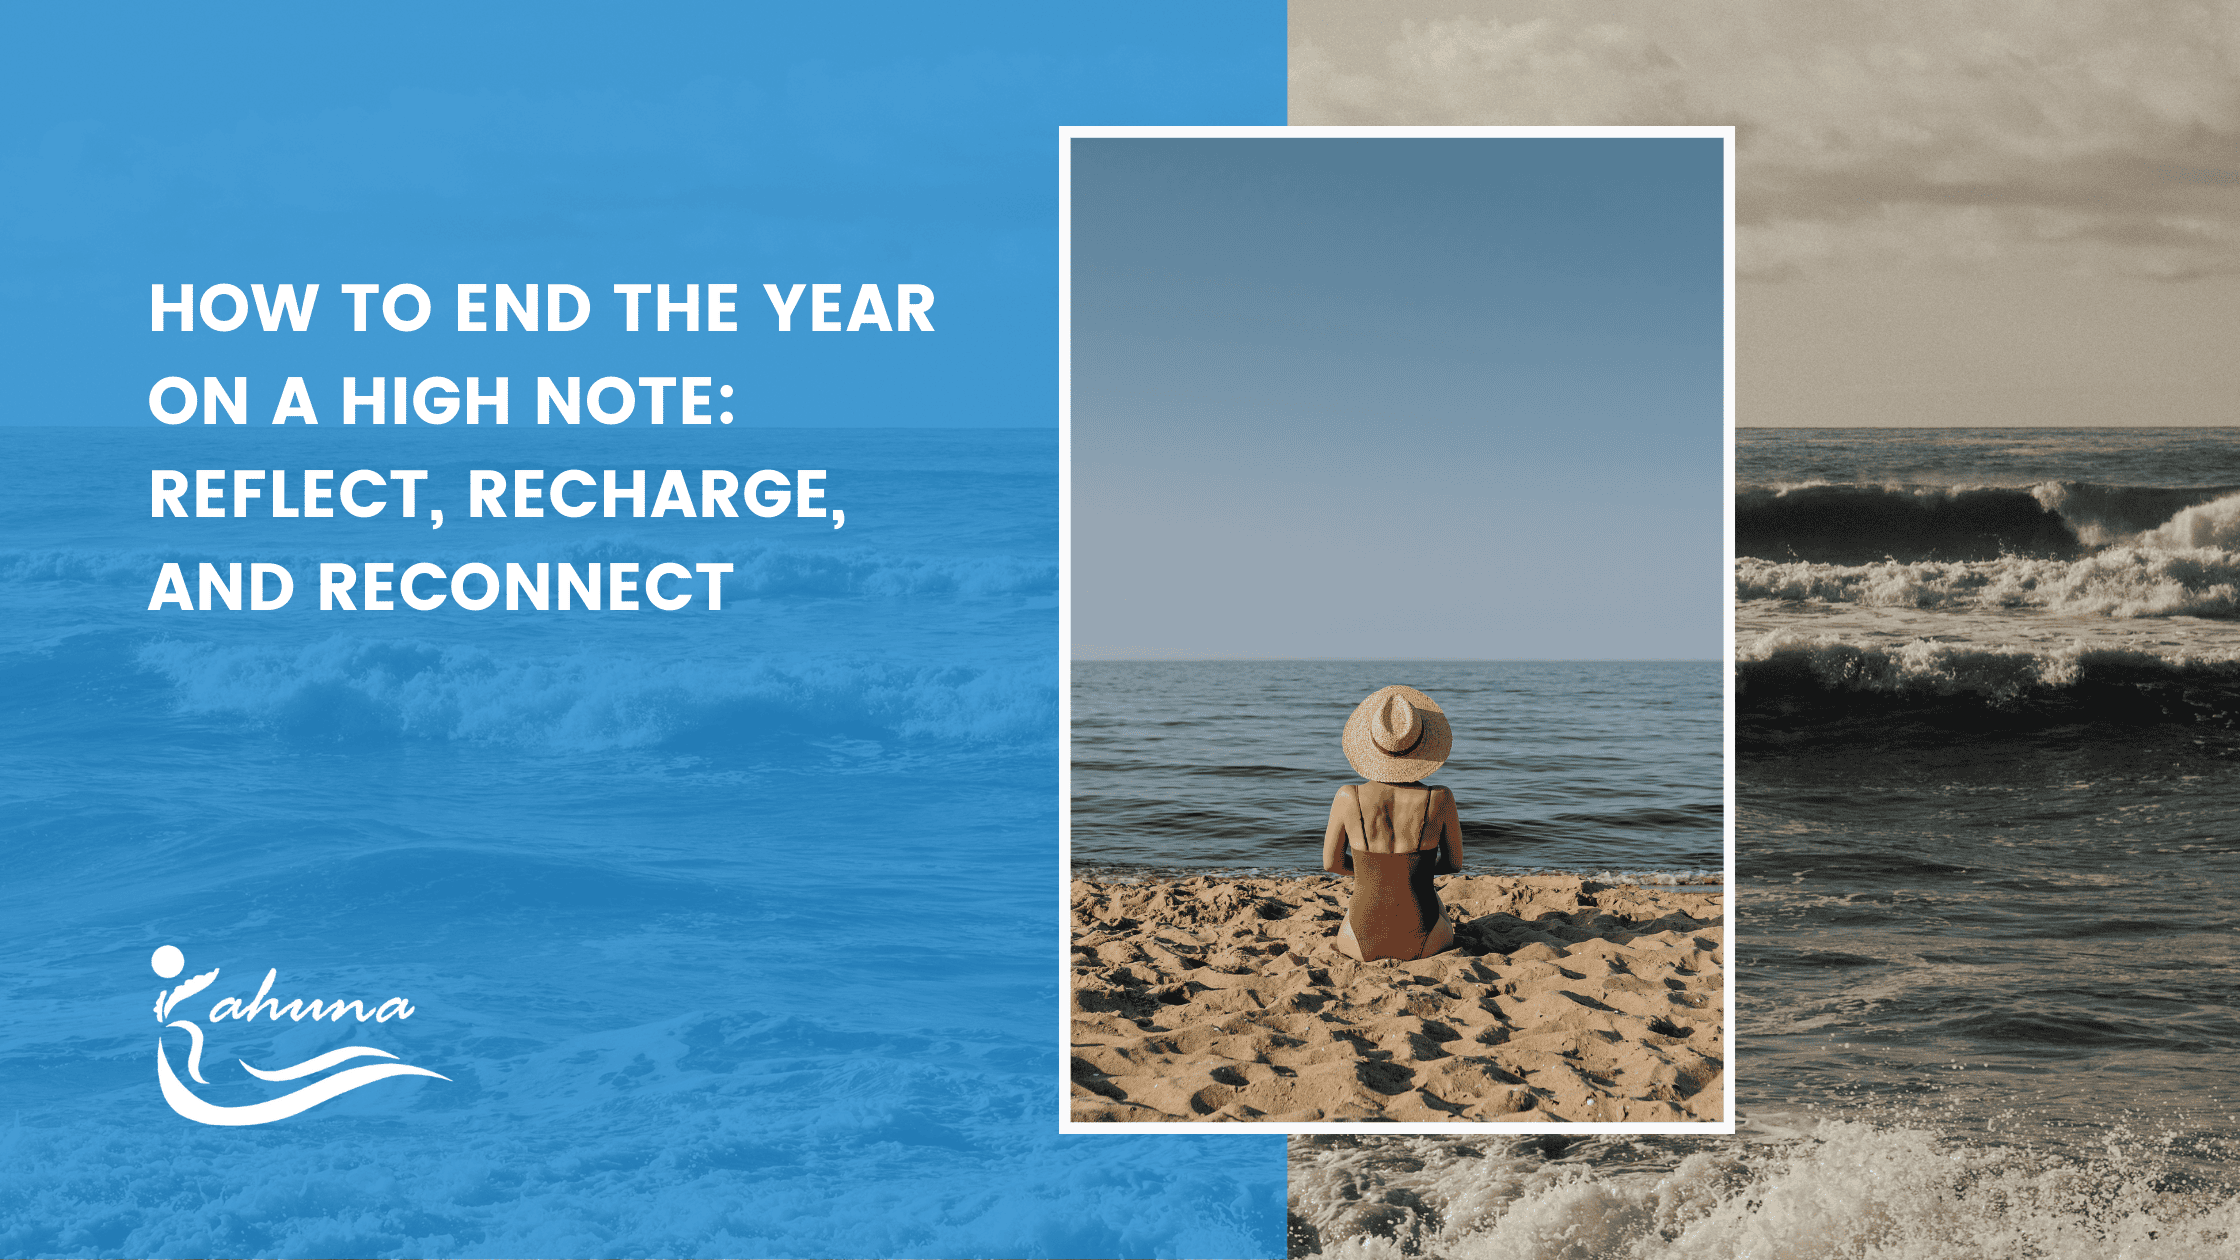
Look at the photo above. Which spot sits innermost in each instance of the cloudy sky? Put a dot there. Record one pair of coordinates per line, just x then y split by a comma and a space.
1949, 212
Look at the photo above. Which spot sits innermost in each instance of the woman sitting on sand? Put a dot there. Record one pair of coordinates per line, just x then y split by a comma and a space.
1393, 833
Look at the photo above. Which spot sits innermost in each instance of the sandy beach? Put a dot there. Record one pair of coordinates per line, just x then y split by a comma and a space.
1214, 998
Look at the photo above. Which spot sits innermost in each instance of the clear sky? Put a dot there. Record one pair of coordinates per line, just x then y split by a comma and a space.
1453, 398
1990, 212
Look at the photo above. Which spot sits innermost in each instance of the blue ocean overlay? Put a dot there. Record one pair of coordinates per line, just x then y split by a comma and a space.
727, 932
731, 931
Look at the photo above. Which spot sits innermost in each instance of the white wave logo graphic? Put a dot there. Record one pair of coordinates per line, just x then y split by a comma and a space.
168, 962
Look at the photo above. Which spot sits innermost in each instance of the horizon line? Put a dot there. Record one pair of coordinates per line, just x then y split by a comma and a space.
1419, 660
2233, 425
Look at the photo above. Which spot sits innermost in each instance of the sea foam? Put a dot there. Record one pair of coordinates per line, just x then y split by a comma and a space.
2129, 581
1790, 659
2213, 524
1841, 1188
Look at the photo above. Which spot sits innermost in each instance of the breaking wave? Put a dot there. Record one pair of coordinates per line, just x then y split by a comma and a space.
2212, 524
2127, 581
1790, 670
1853, 524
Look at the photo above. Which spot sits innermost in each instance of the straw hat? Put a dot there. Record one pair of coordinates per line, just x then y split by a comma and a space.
1397, 735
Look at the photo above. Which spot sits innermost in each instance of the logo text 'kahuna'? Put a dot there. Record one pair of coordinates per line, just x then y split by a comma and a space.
297, 1009
168, 962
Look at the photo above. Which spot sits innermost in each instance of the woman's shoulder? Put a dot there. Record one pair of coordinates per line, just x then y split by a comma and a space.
1345, 793
1436, 795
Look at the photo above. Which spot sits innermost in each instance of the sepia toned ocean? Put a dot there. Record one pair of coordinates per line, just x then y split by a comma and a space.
1990, 784
1988, 883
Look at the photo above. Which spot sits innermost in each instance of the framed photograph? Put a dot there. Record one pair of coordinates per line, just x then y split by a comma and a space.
1397, 730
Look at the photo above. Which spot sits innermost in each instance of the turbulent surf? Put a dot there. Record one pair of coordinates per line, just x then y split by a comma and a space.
1988, 729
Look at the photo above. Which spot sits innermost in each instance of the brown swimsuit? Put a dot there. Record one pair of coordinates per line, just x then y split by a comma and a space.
1395, 911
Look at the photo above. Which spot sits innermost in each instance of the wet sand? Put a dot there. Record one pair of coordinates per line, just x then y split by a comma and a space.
1214, 998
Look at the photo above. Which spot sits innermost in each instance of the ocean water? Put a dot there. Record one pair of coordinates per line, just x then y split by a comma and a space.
1988, 883
1990, 785
731, 931
1609, 767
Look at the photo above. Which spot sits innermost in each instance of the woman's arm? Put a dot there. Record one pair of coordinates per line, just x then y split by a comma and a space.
1343, 809
1450, 825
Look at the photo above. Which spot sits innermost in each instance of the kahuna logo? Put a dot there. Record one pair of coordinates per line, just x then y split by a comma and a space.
169, 962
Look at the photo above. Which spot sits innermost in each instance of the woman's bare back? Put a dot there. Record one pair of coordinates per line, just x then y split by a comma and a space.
1395, 818
1392, 818
1392, 838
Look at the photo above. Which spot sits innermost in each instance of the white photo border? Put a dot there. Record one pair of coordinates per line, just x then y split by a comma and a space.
1066, 137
